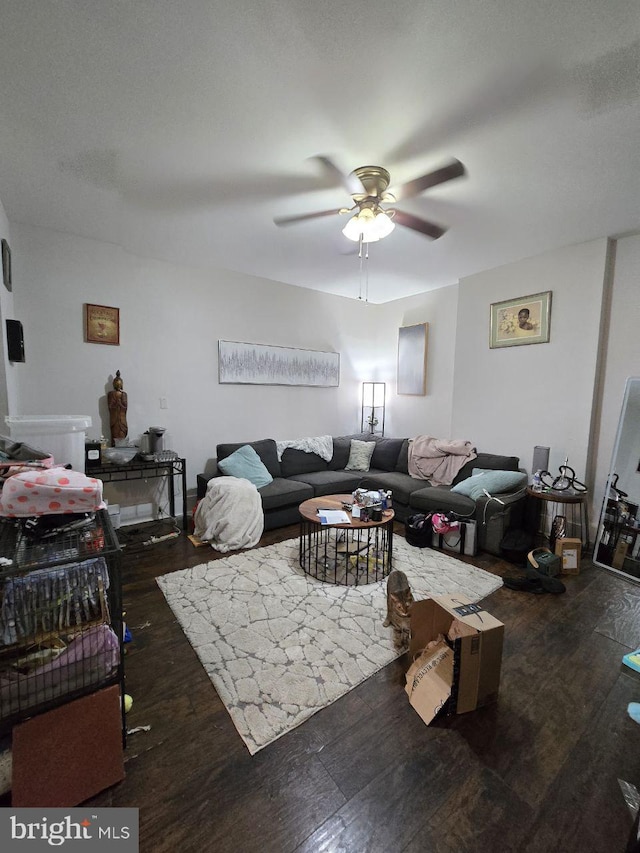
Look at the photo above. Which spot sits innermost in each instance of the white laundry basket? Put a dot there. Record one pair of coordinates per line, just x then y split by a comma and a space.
63, 436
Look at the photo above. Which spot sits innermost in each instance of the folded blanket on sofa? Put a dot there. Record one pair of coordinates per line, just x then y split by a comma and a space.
438, 460
230, 515
322, 445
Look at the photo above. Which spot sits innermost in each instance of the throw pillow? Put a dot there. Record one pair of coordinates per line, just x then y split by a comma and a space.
360, 455
247, 465
495, 482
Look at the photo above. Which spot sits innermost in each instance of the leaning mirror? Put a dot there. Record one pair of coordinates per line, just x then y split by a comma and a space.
618, 540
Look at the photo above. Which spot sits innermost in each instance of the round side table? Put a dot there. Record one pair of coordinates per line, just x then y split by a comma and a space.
572, 505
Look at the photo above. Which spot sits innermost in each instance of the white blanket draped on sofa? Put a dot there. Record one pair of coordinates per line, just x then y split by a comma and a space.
230, 515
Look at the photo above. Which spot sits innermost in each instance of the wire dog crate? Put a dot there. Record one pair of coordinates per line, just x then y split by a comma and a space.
61, 632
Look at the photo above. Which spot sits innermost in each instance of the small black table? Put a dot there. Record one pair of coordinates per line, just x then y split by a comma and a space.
110, 472
573, 505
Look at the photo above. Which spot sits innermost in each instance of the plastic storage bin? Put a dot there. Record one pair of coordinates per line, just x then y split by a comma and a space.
61, 435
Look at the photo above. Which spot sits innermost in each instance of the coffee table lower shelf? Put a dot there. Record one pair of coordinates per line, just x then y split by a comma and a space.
341, 555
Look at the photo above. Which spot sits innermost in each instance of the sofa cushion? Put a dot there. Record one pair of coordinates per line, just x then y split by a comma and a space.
360, 455
402, 465
245, 464
486, 460
281, 493
495, 482
385, 455
299, 462
342, 449
332, 482
402, 485
441, 498
265, 448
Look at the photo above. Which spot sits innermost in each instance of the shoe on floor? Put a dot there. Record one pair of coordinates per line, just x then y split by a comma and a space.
524, 585
548, 584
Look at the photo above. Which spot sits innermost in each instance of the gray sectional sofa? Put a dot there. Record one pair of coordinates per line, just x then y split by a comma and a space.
299, 476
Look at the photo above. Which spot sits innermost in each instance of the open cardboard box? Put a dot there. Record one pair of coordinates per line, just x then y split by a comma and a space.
467, 676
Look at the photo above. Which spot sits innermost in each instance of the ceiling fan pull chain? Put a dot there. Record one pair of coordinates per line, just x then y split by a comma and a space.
366, 291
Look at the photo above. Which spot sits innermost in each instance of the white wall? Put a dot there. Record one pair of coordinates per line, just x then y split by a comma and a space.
170, 321
510, 399
504, 400
431, 414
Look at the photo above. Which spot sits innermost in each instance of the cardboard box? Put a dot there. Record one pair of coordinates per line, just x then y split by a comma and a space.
619, 554
465, 677
570, 551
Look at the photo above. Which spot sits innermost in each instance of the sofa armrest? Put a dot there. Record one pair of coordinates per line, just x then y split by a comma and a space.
203, 479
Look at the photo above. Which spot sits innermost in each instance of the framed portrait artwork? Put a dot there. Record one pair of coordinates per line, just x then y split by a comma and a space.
525, 320
102, 324
412, 359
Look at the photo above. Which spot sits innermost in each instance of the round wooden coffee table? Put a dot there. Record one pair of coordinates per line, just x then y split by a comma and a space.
355, 553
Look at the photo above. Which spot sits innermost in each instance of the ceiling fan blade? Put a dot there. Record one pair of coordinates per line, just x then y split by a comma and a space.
410, 221
455, 169
290, 220
350, 182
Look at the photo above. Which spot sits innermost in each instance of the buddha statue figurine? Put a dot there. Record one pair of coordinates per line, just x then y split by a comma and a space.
117, 400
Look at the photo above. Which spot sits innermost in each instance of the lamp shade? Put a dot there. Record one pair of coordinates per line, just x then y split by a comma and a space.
361, 224
384, 225
373, 394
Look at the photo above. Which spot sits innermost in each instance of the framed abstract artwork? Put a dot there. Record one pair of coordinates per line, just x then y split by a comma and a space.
525, 320
412, 359
262, 364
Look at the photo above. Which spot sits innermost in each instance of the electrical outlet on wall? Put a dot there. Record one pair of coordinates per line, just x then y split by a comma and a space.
163, 403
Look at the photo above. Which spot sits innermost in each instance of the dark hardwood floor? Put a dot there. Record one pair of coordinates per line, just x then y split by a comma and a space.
536, 772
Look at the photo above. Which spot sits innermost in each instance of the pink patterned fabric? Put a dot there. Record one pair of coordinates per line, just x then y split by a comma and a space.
51, 491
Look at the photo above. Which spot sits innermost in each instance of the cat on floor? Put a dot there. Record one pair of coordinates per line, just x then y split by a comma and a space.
399, 601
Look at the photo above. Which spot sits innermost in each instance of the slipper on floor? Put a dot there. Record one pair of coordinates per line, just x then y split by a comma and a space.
524, 585
548, 584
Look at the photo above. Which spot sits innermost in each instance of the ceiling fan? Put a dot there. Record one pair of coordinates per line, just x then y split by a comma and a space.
367, 186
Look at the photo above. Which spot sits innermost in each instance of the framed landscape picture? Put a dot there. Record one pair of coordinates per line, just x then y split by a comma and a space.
412, 359
525, 320
102, 325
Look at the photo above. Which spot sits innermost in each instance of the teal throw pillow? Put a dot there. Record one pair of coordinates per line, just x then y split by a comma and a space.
247, 465
495, 482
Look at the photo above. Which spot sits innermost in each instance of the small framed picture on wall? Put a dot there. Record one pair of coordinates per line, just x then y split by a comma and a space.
102, 324
524, 320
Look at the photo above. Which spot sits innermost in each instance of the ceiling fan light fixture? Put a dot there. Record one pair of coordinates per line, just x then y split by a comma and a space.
370, 224
384, 224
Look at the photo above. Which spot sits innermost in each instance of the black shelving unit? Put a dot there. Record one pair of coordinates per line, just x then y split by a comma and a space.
61, 631
618, 536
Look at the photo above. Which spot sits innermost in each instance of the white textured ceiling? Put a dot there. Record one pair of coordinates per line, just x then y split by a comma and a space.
180, 129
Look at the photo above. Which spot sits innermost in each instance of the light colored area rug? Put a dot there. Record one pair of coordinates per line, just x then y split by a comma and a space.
279, 646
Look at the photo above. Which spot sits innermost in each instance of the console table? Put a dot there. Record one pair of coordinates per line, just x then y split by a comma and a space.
110, 472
